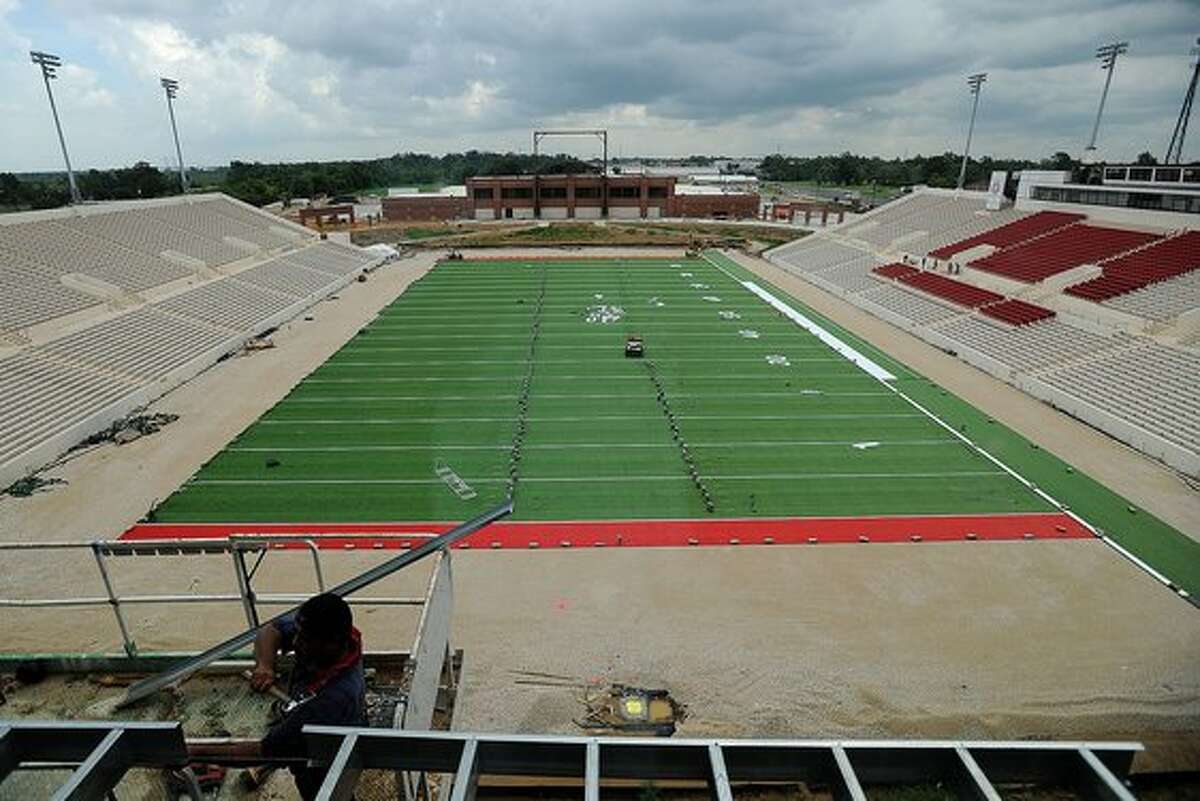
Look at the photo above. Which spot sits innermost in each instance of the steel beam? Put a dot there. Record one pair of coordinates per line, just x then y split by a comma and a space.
186, 668
466, 778
343, 773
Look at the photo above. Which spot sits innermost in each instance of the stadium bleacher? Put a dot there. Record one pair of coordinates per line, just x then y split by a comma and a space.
1168, 258
1019, 230
1059, 251
122, 350
1083, 363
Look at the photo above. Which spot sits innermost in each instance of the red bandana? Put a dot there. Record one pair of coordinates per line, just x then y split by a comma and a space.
348, 660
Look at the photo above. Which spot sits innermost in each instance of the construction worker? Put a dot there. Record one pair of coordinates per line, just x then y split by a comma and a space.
326, 685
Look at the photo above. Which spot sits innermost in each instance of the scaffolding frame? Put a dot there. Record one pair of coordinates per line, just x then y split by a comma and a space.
101, 753
239, 547
104, 751
971, 770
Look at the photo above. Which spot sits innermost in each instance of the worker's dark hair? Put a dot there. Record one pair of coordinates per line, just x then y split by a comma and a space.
326, 616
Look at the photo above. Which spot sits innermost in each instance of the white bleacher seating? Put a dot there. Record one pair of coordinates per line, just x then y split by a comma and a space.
1162, 301
68, 385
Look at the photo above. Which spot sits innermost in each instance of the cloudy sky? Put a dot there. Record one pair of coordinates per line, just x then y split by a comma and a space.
359, 78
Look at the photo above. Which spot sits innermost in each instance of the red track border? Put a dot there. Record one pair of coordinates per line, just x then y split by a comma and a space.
653, 533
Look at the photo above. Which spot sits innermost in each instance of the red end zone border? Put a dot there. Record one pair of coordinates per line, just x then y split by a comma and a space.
650, 533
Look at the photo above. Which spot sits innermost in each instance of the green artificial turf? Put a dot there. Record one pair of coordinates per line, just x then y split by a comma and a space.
435, 381
1167, 550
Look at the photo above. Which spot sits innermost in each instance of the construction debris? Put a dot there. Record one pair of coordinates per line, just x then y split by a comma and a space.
130, 428
24, 487
631, 710
258, 343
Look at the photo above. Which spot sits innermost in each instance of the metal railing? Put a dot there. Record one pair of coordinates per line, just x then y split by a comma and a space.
967, 770
102, 752
239, 547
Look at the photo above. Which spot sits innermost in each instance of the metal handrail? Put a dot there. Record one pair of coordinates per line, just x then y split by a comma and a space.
237, 545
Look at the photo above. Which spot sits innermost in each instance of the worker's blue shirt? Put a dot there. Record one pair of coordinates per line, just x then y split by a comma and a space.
340, 701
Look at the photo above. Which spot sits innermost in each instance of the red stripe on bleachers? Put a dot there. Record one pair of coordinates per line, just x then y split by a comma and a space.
895, 270
1017, 312
955, 291
1057, 252
648, 533
1011, 234
1159, 262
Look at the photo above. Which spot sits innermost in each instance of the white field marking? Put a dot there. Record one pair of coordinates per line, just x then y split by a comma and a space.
554, 446
1054, 502
609, 479
540, 362
332, 421
866, 365
525, 337
1043, 494
550, 346
564, 396
640, 378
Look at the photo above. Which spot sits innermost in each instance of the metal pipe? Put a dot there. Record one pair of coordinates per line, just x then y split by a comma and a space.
126, 641
189, 666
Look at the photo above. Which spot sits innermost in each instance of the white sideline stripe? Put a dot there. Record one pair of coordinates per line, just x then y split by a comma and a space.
642, 378
610, 479
1054, 502
561, 396
820, 333
323, 421
587, 445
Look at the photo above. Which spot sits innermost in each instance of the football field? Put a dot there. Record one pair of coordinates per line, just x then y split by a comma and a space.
490, 376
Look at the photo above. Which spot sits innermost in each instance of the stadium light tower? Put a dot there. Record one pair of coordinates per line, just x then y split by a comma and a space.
50, 64
1175, 149
1108, 62
171, 88
975, 85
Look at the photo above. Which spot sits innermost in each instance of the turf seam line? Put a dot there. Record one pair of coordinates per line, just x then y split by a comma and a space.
572, 445
608, 479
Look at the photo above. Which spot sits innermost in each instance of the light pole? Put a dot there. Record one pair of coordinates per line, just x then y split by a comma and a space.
975, 84
1108, 62
171, 87
50, 64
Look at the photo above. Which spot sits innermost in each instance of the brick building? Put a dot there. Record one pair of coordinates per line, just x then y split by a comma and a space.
574, 197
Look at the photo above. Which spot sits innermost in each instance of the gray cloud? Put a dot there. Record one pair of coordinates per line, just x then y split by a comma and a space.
280, 80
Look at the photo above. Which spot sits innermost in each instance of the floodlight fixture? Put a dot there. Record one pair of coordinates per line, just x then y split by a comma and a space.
1108, 62
974, 86
49, 64
171, 88
1175, 149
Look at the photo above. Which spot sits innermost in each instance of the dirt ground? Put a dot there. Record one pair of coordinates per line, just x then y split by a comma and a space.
1021, 639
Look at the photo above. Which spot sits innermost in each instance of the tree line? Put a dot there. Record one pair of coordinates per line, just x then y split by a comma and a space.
260, 184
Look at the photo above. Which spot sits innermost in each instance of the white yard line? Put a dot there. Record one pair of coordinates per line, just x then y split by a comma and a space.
454, 362
323, 421
641, 378
562, 396
811, 443
607, 479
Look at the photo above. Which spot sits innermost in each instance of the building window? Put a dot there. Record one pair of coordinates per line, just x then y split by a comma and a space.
1140, 173
553, 192
658, 192
587, 192
483, 194
1191, 175
1167, 175
625, 191
516, 192
1114, 173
